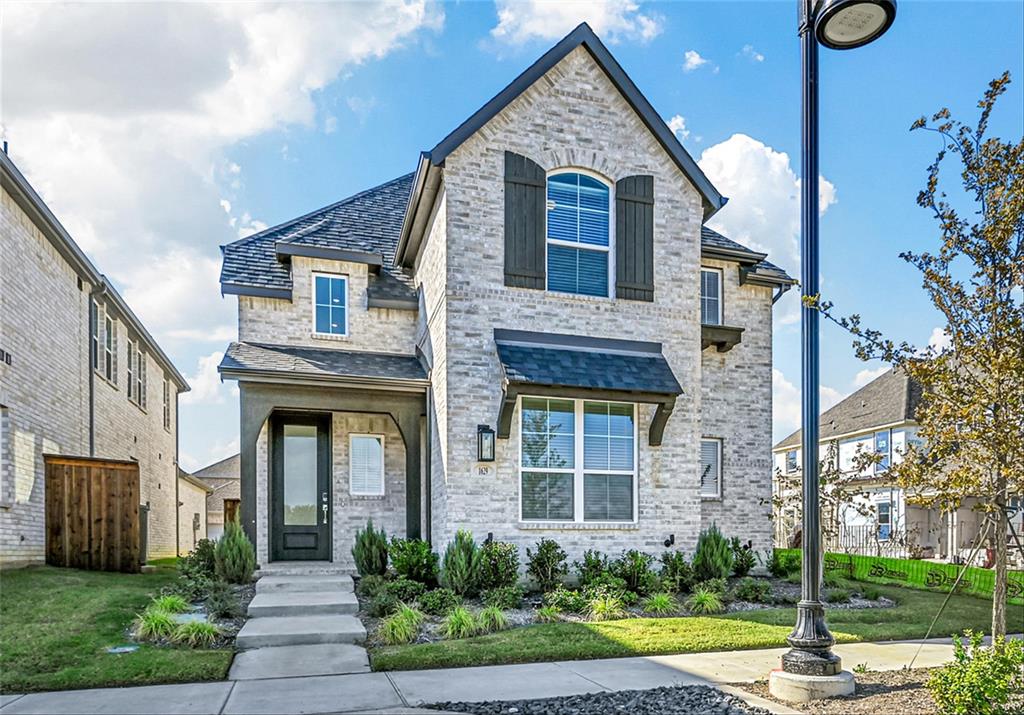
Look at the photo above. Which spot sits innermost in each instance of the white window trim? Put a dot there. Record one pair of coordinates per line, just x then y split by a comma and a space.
721, 294
796, 461
575, 244
878, 524
721, 470
312, 303
167, 404
383, 461
578, 471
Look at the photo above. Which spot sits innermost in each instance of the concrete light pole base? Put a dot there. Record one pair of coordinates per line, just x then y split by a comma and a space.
795, 688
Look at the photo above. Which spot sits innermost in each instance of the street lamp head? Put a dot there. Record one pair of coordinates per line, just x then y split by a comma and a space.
845, 24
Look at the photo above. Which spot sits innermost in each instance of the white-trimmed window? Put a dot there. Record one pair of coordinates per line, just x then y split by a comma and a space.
330, 304
882, 449
711, 296
110, 348
167, 404
136, 374
578, 460
132, 361
791, 465
883, 517
578, 234
366, 464
94, 335
710, 468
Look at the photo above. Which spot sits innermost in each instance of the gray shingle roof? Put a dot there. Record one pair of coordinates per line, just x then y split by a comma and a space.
711, 239
320, 362
566, 367
890, 398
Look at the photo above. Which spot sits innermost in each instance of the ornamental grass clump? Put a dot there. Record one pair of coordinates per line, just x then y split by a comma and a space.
713, 557
234, 555
401, 627
606, 607
370, 551
660, 604
172, 603
490, 620
459, 623
704, 602
196, 634
549, 614
154, 624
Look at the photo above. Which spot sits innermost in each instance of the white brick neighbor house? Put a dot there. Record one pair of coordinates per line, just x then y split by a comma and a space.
544, 280
79, 376
224, 499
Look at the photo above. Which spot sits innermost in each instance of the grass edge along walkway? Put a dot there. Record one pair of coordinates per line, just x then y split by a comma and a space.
766, 628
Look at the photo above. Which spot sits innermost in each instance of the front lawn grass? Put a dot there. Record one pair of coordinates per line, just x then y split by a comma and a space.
766, 628
56, 624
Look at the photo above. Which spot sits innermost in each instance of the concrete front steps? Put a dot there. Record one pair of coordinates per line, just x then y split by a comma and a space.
276, 602
299, 660
305, 583
270, 631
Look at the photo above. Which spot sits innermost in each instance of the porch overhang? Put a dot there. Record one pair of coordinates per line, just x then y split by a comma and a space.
571, 366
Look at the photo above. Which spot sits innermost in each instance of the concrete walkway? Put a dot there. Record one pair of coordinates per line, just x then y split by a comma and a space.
397, 692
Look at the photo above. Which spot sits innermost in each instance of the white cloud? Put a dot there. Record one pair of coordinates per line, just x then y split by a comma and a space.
750, 53
678, 126
330, 124
939, 340
692, 61
520, 21
866, 375
192, 462
786, 403
362, 106
207, 389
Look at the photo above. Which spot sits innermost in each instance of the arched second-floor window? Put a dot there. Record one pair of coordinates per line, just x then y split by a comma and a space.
578, 234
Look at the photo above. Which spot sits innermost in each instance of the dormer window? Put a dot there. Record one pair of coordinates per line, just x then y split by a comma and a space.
578, 235
330, 304
710, 296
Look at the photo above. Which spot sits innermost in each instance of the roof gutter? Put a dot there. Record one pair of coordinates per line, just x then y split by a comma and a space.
272, 376
412, 206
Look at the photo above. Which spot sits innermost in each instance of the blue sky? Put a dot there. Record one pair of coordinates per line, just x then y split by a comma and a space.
155, 152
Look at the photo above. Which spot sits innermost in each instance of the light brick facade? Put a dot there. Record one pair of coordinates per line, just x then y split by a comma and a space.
191, 513
45, 388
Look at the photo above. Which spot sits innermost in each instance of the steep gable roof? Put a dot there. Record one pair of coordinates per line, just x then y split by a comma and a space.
889, 399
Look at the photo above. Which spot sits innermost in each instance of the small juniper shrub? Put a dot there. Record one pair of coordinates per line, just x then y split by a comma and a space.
222, 601
383, 604
606, 607
704, 602
234, 555
549, 614
196, 634
405, 589
439, 601
504, 597
660, 604
459, 623
634, 567
676, 573
566, 601
713, 557
170, 603
461, 564
752, 590
547, 565
980, 680
413, 559
491, 620
499, 566
593, 566
370, 551
370, 585
744, 558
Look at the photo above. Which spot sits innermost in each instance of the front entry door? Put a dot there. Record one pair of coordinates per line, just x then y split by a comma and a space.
300, 489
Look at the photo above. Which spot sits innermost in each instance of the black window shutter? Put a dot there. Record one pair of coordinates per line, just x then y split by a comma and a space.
634, 238
525, 208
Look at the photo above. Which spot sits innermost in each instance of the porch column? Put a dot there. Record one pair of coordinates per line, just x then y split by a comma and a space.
408, 420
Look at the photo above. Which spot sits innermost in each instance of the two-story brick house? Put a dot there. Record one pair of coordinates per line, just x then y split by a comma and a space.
533, 335
79, 376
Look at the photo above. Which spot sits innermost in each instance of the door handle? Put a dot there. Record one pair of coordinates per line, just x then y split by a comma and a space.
325, 514
324, 506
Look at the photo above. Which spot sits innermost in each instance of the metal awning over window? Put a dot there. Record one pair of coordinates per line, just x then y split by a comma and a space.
554, 365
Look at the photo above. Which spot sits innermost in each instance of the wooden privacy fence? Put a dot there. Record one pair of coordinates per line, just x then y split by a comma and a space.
92, 514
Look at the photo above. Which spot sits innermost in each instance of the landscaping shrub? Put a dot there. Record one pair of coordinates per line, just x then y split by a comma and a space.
660, 604
607, 584
196, 634
234, 556
871, 593
499, 566
490, 620
979, 680
704, 602
566, 601
439, 601
676, 573
383, 604
170, 604
548, 614
200, 561
715, 585
370, 551
606, 607
744, 558
794, 578
402, 626
547, 565
830, 580
505, 597
369, 586
222, 601
192, 588
837, 595
414, 560
713, 558
153, 624
459, 623
752, 590
634, 567
404, 589
461, 564
593, 566
782, 564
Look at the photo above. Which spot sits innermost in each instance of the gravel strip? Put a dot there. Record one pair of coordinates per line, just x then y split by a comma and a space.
895, 692
677, 700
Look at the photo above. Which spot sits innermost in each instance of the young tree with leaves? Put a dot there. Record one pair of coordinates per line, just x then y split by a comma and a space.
972, 412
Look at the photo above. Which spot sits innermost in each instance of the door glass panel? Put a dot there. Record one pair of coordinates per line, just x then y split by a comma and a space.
300, 485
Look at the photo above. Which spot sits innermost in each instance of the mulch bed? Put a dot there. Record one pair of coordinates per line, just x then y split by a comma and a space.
894, 692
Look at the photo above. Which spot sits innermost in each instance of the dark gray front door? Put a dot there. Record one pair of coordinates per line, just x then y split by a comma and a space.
300, 488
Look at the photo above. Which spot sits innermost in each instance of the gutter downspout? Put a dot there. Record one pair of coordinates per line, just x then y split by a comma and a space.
177, 480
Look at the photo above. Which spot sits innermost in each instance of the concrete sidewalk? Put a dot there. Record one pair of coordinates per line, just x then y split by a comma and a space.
397, 692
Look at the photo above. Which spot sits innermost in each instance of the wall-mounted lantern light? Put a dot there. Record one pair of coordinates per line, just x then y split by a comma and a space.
484, 443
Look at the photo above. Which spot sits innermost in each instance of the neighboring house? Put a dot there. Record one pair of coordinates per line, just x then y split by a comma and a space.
222, 504
879, 418
534, 335
192, 515
79, 376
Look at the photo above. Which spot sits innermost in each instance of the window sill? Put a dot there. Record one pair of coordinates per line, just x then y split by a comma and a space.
366, 497
106, 379
329, 336
578, 526
139, 407
711, 498
723, 337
